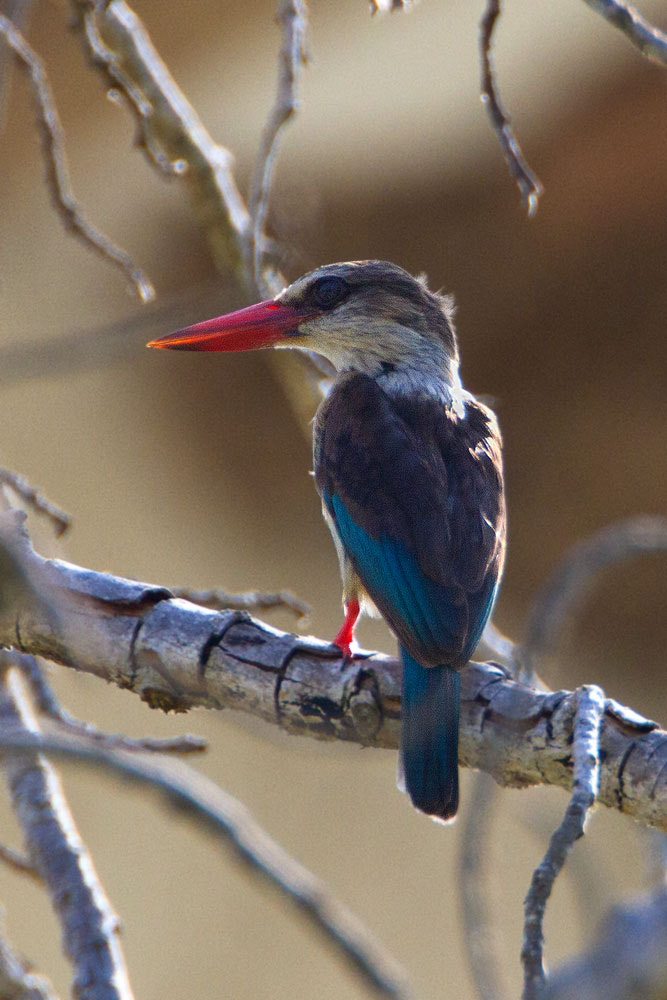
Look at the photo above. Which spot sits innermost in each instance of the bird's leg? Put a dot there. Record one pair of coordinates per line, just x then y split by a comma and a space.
345, 639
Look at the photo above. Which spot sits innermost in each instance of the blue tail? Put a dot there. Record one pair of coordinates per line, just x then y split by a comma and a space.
430, 737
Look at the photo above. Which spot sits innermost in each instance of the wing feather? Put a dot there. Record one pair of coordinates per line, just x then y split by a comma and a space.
415, 495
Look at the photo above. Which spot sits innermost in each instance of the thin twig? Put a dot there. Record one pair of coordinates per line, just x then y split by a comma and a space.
14, 859
171, 133
17, 980
293, 18
650, 41
61, 521
528, 183
252, 600
565, 587
57, 174
211, 807
89, 925
483, 959
47, 704
585, 789
19, 13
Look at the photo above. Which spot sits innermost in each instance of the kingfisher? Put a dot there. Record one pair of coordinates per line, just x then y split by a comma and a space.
408, 465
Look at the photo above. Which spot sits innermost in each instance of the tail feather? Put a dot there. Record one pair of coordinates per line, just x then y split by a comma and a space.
429, 737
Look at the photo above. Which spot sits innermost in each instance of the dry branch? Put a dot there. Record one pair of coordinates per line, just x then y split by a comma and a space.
527, 182
89, 925
210, 807
17, 979
57, 173
293, 19
628, 960
35, 500
170, 131
175, 655
590, 703
650, 41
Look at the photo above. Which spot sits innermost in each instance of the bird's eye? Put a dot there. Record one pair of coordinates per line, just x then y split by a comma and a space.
328, 292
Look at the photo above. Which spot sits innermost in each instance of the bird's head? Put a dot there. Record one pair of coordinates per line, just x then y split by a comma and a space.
364, 315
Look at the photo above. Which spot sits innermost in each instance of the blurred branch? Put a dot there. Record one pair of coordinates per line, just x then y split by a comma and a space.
556, 600
252, 600
293, 18
57, 174
93, 349
203, 801
587, 754
47, 704
628, 961
60, 520
650, 41
19, 13
170, 131
17, 980
175, 655
89, 925
527, 182
483, 957
14, 859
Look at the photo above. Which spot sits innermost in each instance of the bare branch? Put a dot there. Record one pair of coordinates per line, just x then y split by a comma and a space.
628, 961
175, 655
57, 174
212, 808
527, 182
47, 704
293, 18
251, 600
19, 13
17, 980
89, 925
61, 521
650, 41
14, 859
170, 132
556, 600
485, 965
586, 750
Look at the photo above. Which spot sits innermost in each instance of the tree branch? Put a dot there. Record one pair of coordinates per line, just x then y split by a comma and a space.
170, 130
527, 182
203, 801
650, 41
17, 980
586, 753
57, 174
37, 501
89, 925
293, 19
627, 961
175, 655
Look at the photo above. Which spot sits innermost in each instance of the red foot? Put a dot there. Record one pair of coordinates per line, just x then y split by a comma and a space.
345, 639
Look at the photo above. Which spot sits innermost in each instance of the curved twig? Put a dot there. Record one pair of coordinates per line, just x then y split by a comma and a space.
528, 183
293, 18
57, 174
202, 800
587, 757
566, 586
89, 925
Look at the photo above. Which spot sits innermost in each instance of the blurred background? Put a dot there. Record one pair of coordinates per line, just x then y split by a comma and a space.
186, 469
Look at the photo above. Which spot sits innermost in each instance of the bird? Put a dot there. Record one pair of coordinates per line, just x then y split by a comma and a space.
408, 466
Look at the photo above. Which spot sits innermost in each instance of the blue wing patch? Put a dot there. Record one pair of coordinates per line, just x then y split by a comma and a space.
431, 619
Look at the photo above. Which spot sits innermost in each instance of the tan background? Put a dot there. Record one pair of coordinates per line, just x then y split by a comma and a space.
193, 470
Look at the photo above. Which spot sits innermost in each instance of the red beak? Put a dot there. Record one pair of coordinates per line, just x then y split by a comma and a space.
244, 330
